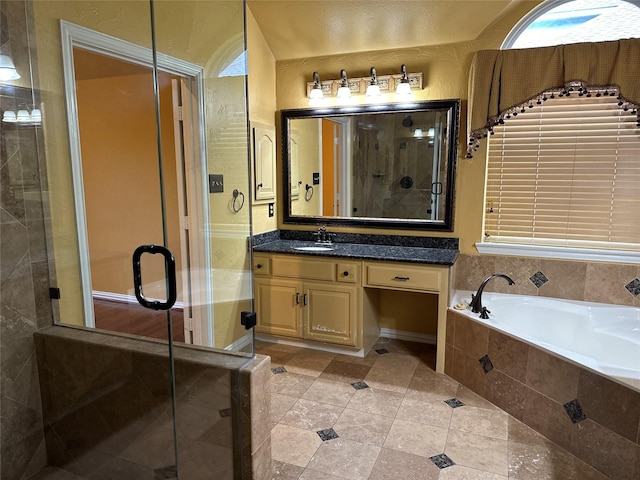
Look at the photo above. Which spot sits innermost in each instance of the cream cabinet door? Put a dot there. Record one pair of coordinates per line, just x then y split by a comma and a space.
278, 304
264, 163
330, 313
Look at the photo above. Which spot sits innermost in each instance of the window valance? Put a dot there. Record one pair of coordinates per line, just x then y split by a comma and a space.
504, 82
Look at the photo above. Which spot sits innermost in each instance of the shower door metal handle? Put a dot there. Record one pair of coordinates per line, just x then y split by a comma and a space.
170, 270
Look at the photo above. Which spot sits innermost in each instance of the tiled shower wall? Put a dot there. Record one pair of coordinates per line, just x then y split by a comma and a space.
108, 412
589, 415
612, 283
24, 274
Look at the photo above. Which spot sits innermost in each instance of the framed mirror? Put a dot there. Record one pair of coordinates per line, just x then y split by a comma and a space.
388, 166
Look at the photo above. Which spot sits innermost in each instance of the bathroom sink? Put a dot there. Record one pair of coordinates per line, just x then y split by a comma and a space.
316, 248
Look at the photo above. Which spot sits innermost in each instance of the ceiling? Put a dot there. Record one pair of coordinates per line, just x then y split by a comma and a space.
296, 29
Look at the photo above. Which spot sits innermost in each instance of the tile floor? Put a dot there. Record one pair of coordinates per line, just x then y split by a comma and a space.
390, 416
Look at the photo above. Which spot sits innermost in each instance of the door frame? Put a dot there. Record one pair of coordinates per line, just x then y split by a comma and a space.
73, 35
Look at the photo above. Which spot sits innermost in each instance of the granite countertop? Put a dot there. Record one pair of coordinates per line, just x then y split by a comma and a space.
389, 248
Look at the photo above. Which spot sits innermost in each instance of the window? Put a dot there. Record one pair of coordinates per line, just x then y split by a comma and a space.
566, 173
563, 178
560, 22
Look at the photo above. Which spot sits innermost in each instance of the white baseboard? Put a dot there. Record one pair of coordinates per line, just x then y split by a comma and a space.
123, 298
312, 345
241, 343
408, 336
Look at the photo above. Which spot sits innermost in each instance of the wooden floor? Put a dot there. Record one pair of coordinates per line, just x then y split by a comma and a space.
134, 319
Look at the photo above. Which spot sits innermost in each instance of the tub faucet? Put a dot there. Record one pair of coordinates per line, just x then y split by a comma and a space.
476, 300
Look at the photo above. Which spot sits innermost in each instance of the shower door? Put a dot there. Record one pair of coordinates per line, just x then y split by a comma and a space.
148, 181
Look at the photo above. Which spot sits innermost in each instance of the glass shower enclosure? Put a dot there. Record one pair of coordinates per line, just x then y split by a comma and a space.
136, 122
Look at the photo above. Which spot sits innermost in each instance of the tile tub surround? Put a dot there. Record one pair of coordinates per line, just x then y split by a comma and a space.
391, 416
396, 248
107, 409
589, 415
611, 283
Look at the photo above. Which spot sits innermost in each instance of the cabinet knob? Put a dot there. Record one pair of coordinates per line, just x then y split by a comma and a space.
345, 273
259, 265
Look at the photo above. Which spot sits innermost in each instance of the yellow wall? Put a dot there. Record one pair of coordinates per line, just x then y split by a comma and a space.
446, 70
116, 117
262, 104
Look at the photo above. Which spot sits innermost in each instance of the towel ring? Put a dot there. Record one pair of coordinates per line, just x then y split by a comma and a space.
308, 195
237, 193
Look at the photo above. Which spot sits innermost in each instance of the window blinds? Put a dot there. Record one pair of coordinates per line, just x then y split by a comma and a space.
566, 173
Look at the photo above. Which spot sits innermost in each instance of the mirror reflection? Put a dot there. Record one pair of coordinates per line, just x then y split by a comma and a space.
384, 166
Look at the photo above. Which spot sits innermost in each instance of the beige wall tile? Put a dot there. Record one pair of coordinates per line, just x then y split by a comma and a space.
566, 279
548, 417
605, 450
612, 405
605, 283
505, 392
552, 376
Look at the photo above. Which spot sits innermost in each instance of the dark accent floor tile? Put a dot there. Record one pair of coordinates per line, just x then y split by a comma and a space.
574, 410
454, 403
442, 461
359, 385
486, 363
634, 287
279, 370
381, 351
327, 434
538, 279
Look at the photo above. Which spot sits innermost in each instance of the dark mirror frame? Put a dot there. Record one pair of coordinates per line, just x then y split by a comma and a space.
453, 119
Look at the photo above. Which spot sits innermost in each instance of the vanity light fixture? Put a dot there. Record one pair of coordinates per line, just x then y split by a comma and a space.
316, 97
344, 92
403, 89
373, 89
23, 117
8, 69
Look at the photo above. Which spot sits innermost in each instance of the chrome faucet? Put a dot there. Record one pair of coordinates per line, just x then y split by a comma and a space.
476, 300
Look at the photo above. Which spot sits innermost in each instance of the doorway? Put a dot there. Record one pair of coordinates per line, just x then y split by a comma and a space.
113, 114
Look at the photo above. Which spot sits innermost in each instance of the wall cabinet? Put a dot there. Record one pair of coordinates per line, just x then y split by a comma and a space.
264, 163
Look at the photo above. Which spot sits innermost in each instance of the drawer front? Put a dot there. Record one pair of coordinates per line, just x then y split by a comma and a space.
261, 265
348, 272
403, 277
296, 267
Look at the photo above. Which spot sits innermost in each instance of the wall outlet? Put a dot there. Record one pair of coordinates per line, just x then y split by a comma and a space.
271, 210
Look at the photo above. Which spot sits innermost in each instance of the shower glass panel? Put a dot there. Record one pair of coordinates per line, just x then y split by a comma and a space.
142, 141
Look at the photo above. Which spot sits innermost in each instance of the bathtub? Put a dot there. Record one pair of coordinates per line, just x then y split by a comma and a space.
601, 337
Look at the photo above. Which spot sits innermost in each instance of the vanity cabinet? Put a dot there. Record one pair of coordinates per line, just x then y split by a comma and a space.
311, 299
337, 301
